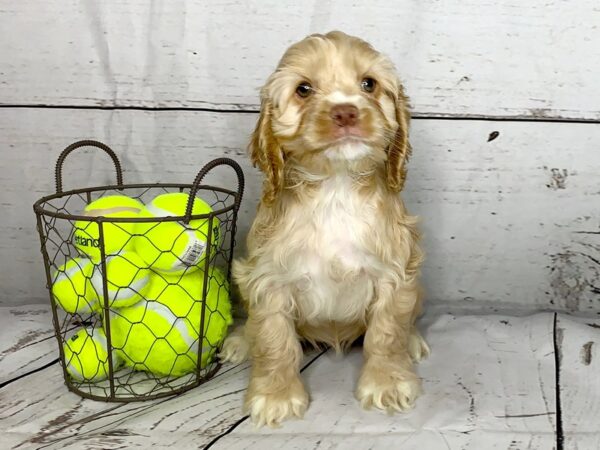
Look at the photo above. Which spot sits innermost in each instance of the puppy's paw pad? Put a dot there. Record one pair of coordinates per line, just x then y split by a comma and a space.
388, 393
272, 409
417, 347
235, 350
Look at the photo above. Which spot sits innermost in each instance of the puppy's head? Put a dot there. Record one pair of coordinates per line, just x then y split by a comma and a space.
332, 97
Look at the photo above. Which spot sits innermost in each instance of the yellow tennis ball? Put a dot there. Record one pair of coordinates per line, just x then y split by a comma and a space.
217, 316
127, 280
174, 248
86, 355
117, 235
161, 335
72, 288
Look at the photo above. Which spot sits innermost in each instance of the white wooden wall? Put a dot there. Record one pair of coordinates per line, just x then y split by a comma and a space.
510, 223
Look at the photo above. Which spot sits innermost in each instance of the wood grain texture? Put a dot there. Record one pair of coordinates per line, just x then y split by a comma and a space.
383, 439
508, 224
504, 58
42, 413
27, 340
488, 384
578, 339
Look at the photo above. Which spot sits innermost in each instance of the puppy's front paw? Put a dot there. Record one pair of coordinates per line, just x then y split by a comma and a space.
235, 349
388, 388
417, 347
271, 408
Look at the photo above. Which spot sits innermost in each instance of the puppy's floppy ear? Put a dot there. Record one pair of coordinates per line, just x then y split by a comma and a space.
265, 151
399, 150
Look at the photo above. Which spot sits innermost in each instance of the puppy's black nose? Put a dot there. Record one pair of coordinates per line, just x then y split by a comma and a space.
344, 115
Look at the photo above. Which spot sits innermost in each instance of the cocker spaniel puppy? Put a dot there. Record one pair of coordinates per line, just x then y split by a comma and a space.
333, 253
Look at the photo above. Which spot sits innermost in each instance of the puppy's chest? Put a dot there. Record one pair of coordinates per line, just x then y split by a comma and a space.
339, 224
333, 266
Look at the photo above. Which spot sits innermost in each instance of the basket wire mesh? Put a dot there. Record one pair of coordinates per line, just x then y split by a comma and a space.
127, 327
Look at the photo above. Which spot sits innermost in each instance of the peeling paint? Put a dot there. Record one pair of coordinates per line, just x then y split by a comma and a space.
586, 353
540, 112
558, 179
567, 279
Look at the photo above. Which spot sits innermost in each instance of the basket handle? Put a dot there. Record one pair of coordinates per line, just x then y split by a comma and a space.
207, 168
86, 143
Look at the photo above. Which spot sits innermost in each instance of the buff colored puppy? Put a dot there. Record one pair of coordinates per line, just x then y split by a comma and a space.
333, 253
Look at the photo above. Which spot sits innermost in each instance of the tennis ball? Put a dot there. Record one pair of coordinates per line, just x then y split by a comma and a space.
174, 248
161, 335
86, 355
127, 280
72, 288
117, 235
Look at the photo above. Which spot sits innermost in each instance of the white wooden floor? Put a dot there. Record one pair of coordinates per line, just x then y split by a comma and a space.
492, 382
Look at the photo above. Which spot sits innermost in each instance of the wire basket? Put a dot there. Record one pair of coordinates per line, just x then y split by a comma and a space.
139, 294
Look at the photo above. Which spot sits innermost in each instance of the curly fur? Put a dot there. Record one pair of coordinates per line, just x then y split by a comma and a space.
333, 253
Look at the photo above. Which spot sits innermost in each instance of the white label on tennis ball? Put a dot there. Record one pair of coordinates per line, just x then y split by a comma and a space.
194, 249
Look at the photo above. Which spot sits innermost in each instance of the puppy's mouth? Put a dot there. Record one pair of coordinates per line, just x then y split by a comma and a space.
352, 138
340, 134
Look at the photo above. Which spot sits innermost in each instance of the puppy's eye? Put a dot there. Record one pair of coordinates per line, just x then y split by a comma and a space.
304, 89
368, 84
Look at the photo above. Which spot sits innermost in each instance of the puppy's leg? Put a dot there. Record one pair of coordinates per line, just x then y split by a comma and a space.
235, 348
388, 380
275, 391
417, 347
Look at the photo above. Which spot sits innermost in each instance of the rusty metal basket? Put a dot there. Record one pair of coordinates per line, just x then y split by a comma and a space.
101, 358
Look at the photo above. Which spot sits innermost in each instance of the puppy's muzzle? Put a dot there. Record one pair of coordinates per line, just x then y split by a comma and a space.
344, 115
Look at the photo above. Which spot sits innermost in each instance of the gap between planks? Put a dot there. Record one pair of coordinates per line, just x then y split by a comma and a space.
557, 339
26, 374
251, 109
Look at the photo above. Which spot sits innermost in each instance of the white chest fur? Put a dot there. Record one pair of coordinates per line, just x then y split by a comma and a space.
327, 255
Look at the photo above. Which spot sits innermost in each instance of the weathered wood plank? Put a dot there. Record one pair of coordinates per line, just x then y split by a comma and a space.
507, 58
489, 383
508, 224
582, 441
577, 341
374, 440
41, 412
26, 340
